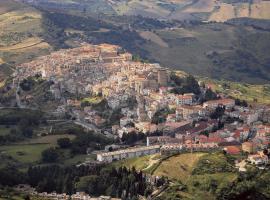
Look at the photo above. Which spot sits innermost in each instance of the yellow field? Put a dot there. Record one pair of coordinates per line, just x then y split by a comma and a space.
178, 167
229, 11
1, 61
141, 163
28, 43
201, 6
20, 30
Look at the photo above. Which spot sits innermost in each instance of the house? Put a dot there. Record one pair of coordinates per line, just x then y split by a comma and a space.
258, 159
228, 103
242, 133
170, 128
234, 150
249, 117
211, 140
190, 112
249, 147
153, 140
197, 129
186, 99
263, 131
124, 121
146, 127
227, 144
176, 148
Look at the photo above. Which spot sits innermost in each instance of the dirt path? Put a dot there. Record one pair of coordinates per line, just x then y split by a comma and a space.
152, 161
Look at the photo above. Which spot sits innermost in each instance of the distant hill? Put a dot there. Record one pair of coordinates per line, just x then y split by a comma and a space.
236, 50
208, 10
20, 35
220, 51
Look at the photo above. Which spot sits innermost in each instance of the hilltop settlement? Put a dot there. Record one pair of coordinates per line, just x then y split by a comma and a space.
145, 108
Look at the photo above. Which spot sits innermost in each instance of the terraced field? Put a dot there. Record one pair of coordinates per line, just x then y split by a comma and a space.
193, 9
20, 33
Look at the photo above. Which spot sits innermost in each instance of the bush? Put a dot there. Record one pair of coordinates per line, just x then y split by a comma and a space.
49, 155
64, 143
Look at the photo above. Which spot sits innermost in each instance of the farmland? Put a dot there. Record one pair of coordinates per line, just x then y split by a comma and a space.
20, 33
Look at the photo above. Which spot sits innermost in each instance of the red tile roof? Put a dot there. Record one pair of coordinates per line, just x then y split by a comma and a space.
232, 149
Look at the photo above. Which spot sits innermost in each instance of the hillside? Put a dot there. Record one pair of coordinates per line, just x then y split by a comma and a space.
234, 51
20, 35
190, 177
209, 10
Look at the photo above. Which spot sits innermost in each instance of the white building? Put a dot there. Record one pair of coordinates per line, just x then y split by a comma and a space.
128, 153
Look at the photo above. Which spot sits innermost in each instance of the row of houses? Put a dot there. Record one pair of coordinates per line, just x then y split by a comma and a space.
127, 153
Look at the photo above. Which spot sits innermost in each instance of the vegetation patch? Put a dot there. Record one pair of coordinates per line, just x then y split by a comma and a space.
213, 163
25, 153
178, 167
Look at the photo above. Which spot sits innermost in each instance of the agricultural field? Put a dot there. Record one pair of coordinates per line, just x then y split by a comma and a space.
250, 93
20, 33
28, 152
24, 153
226, 11
197, 10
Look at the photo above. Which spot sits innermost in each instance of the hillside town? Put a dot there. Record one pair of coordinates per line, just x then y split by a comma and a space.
146, 99
144, 108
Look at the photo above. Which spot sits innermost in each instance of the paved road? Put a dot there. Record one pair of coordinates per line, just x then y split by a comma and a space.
90, 127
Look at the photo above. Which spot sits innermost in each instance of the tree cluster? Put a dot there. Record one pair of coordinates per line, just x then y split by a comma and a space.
239, 102
185, 85
121, 183
95, 180
254, 184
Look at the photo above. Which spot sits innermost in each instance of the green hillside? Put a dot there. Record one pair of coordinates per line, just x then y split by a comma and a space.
190, 177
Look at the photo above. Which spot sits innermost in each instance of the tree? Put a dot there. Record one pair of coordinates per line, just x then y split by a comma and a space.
64, 143
49, 155
210, 95
27, 197
219, 112
27, 132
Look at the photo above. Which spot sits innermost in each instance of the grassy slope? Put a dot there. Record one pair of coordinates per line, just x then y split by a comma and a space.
179, 170
216, 51
24, 155
28, 151
247, 92
178, 167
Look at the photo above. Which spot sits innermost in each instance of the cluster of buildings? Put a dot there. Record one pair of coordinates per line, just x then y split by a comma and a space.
142, 93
